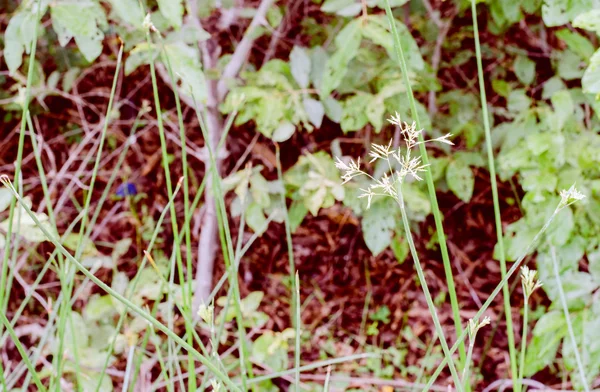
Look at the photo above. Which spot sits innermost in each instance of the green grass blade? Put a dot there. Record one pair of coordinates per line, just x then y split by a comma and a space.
497, 218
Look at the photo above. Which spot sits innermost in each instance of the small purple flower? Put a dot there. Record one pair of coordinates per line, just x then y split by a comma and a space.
126, 189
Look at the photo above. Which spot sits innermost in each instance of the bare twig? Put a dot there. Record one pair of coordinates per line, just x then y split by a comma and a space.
242, 51
216, 92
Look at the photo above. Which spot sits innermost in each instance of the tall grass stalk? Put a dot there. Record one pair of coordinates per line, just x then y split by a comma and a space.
496, 291
439, 226
499, 236
135, 308
563, 302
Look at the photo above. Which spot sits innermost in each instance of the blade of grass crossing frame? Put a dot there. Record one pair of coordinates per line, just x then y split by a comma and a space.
492, 168
430, 185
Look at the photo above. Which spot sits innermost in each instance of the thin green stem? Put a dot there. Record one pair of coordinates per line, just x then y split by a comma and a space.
426, 292
563, 301
498, 220
466, 374
429, 179
523, 342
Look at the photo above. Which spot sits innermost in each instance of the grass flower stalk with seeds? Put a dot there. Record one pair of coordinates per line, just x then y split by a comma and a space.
530, 284
390, 185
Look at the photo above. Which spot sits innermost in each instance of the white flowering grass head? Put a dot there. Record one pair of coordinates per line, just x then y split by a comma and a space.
570, 196
474, 326
402, 157
529, 281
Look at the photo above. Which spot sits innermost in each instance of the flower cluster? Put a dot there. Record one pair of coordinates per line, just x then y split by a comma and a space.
528, 280
474, 326
406, 164
570, 196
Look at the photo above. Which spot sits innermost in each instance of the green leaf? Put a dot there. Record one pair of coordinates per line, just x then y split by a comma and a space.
318, 60
560, 12
83, 21
375, 110
347, 43
563, 108
314, 110
284, 131
91, 381
255, 218
591, 77
128, 11
524, 69
142, 54
300, 66
570, 65
296, 214
341, 7
333, 109
576, 42
172, 10
354, 115
17, 39
518, 101
400, 248
6, 197
378, 225
99, 308
377, 30
547, 335
69, 78
460, 179
589, 21
185, 62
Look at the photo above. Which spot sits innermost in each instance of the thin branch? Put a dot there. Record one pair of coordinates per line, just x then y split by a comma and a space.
242, 51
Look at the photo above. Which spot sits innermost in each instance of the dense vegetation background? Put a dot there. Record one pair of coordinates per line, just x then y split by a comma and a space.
183, 155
